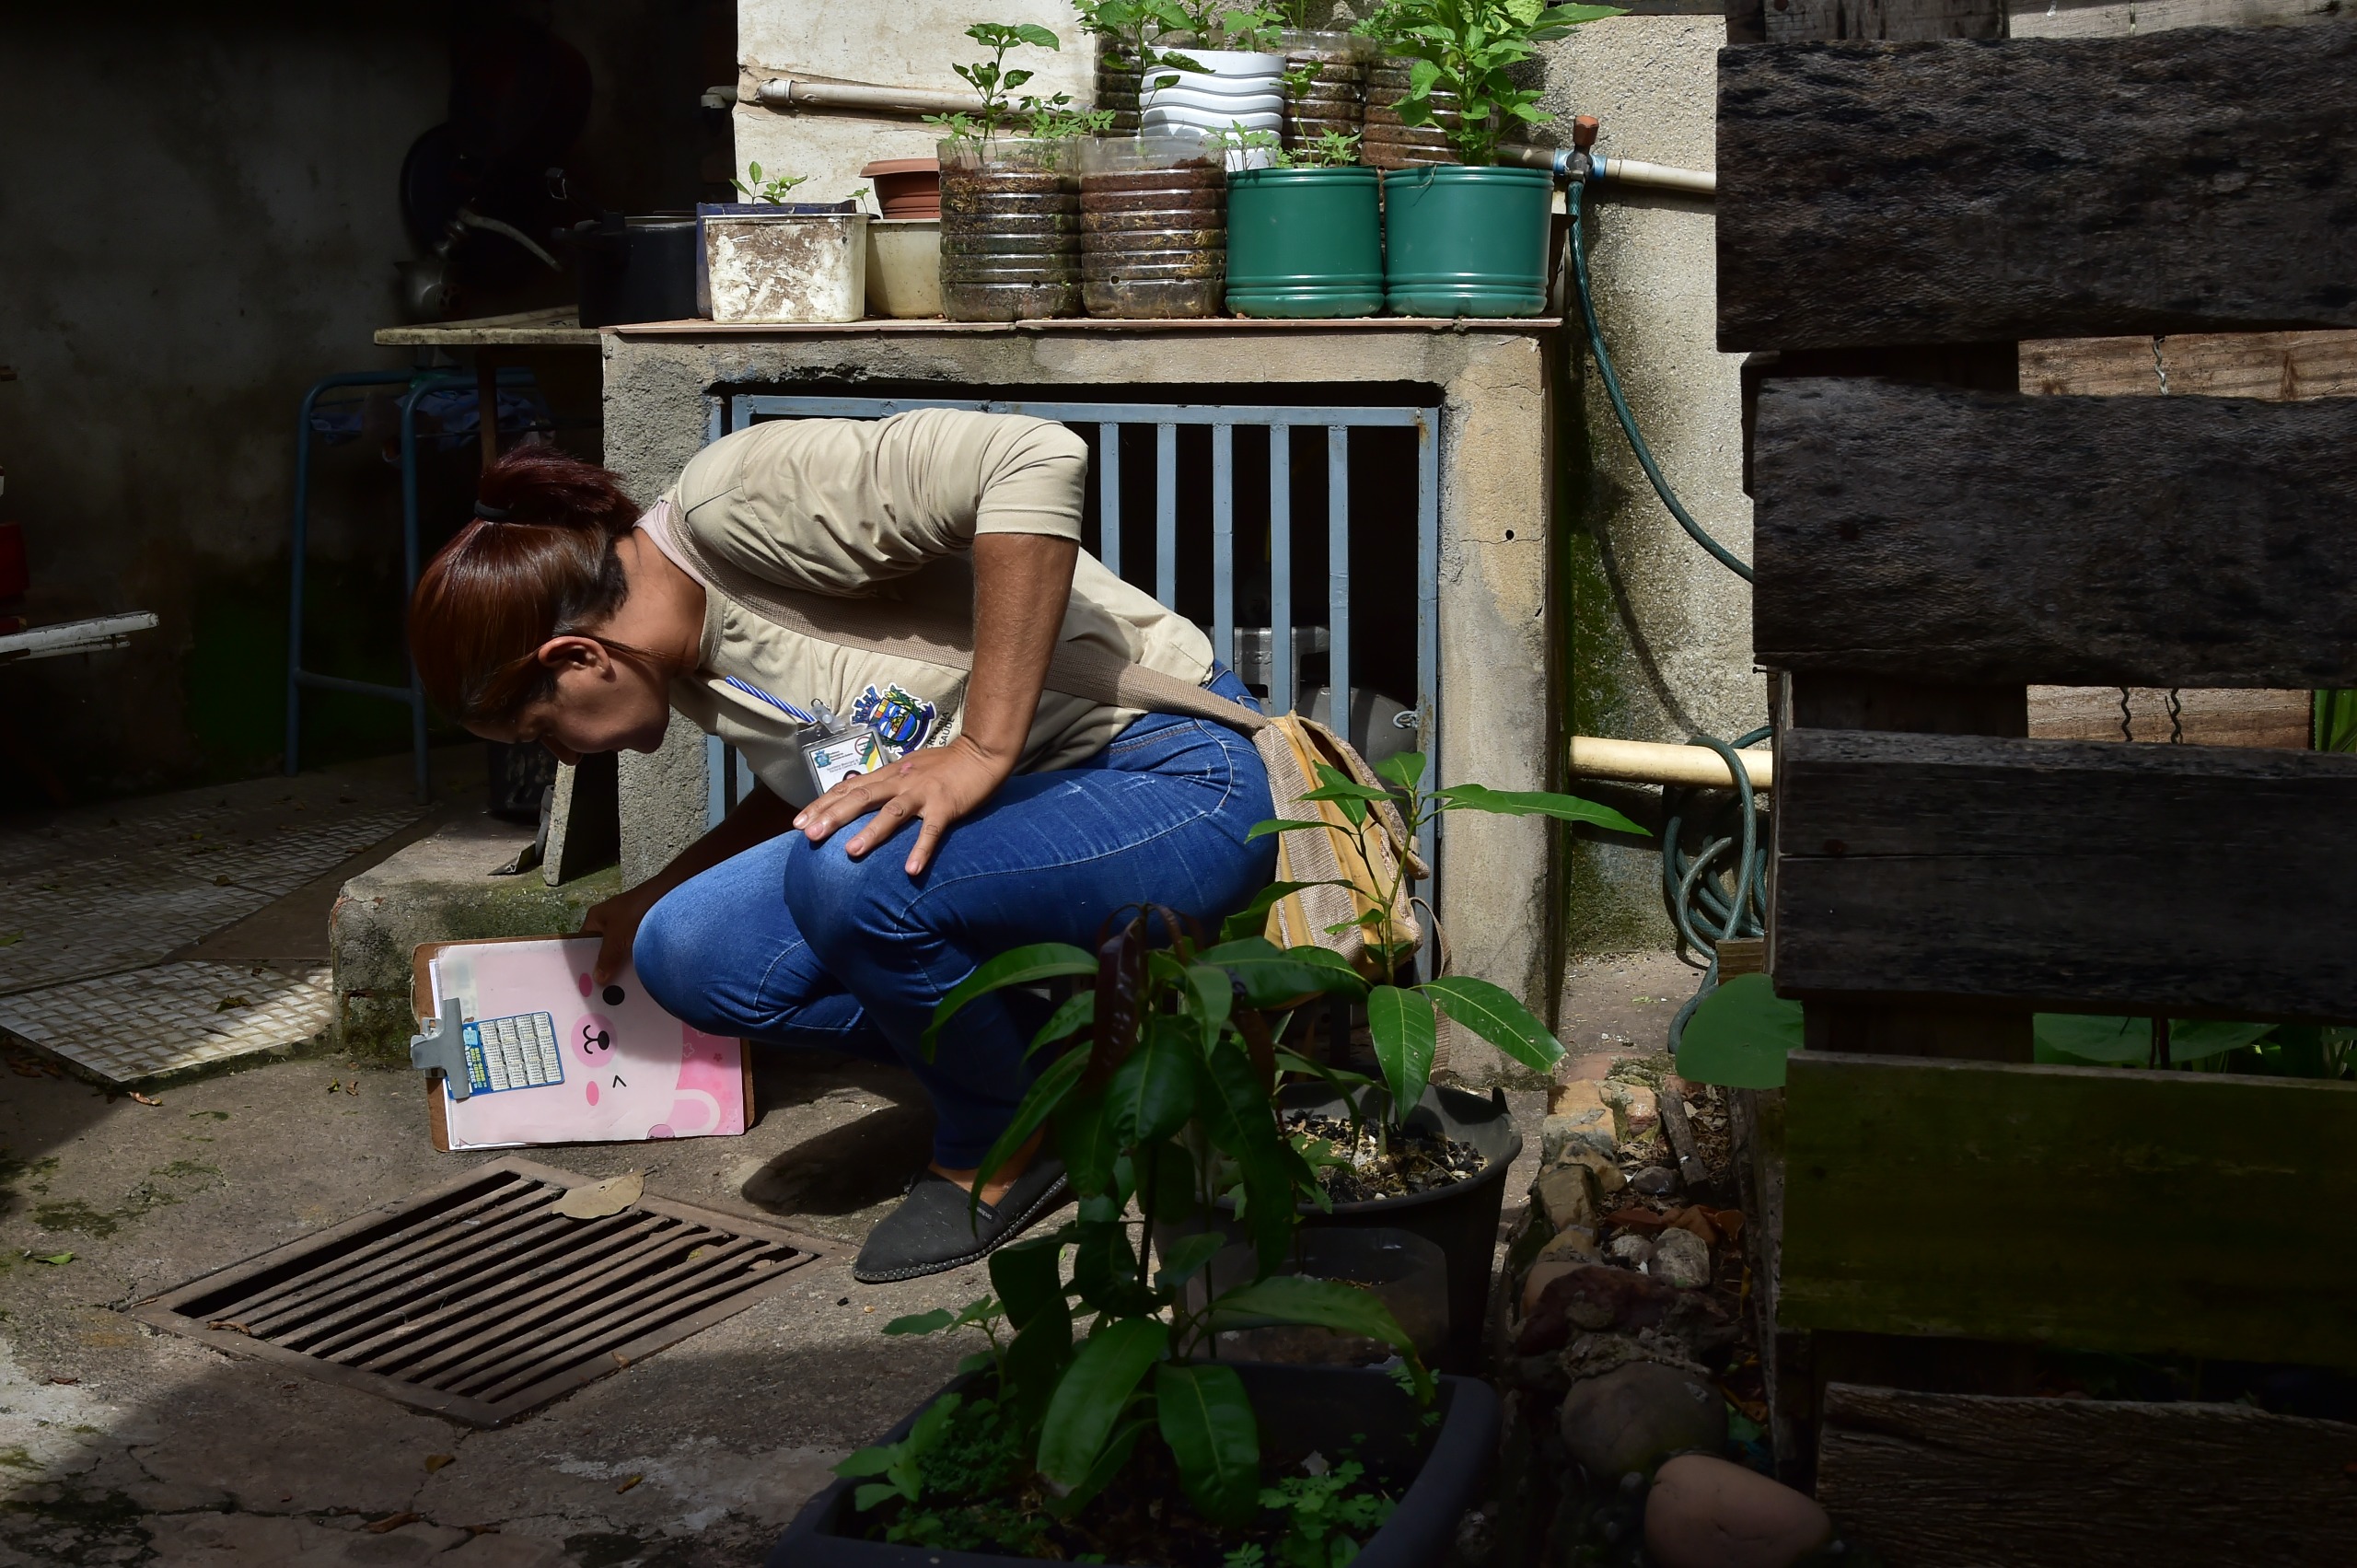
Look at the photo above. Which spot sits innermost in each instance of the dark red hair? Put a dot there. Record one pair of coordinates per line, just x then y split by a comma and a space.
537, 563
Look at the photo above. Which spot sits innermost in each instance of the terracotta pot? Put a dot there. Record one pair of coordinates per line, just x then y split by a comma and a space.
906, 187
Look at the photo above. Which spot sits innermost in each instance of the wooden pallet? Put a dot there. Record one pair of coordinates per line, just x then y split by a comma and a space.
1946, 515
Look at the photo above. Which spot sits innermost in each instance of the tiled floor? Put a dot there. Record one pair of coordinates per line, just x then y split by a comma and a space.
96, 902
169, 1017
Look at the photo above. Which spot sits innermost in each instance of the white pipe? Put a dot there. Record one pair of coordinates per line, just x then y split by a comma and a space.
1654, 176
1655, 762
786, 93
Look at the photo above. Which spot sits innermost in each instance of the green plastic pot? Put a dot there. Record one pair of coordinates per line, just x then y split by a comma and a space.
1461, 242
1304, 242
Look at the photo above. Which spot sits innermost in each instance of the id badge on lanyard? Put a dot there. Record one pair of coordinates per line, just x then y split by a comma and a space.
846, 753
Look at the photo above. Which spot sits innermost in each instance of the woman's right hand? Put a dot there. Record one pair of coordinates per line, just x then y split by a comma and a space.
616, 920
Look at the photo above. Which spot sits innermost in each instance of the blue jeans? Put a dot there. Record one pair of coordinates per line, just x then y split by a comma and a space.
798, 945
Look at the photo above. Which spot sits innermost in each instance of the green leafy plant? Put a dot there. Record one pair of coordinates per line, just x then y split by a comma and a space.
994, 80
1401, 1018
1470, 48
2336, 721
1135, 28
1327, 1516
1328, 149
1159, 1094
772, 188
1058, 119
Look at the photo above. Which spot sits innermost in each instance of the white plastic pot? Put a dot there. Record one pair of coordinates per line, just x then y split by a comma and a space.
787, 266
1186, 97
1208, 124
904, 268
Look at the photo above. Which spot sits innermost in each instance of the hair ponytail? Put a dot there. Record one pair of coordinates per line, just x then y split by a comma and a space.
537, 562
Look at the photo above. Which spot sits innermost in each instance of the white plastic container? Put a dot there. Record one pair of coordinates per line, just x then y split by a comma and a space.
787, 266
904, 268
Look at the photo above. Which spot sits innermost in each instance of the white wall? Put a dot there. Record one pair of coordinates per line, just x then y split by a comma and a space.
897, 44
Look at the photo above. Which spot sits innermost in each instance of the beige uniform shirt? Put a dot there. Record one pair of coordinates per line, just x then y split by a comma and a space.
888, 510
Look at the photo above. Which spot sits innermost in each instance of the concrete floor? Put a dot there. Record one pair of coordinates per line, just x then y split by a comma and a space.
122, 1445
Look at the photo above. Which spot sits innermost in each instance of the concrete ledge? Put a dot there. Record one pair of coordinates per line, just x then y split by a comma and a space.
439, 889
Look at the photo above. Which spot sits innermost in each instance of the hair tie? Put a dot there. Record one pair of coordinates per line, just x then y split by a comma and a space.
490, 513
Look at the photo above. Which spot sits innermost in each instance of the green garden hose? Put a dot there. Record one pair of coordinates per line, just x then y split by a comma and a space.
1703, 910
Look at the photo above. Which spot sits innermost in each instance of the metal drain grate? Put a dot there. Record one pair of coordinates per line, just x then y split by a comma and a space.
475, 1301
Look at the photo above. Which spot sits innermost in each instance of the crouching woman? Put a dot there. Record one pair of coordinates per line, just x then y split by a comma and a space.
916, 815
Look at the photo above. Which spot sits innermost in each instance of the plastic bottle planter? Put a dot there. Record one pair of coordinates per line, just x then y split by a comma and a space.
1461, 242
1234, 88
1391, 144
1304, 242
1117, 86
1153, 227
1010, 230
780, 266
1336, 98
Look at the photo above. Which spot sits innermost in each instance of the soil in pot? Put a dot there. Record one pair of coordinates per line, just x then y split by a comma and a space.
1304, 243
1010, 230
1461, 242
1153, 228
1391, 143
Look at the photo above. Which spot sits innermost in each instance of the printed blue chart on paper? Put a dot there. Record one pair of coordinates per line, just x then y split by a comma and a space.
517, 1053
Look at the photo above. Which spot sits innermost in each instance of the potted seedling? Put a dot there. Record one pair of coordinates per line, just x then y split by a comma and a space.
1093, 1422
1304, 237
1128, 34
771, 259
1210, 89
1471, 239
1010, 189
1400, 1152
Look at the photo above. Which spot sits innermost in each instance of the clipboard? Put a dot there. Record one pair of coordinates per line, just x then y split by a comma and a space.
548, 1057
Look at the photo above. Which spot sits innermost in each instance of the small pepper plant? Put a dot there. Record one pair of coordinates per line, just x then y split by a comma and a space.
1402, 1020
1051, 119
1470, 48
1161, 1095
770, 188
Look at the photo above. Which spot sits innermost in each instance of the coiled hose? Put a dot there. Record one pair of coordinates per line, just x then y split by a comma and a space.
1720, 892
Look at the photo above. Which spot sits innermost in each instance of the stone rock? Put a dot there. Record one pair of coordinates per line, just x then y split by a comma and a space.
1603, 1168
1630, 1419
1639, 1109
1544, 1272
1585, 1127
1600, 1297
1566, 1196
1706, 1513
1655, 1182
1682, 1258
1573, 1243
1630, 1249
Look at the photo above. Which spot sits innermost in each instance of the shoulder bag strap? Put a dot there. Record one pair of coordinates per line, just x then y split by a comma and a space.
899, 631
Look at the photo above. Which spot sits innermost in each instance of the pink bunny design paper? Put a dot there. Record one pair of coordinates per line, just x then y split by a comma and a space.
555, 1058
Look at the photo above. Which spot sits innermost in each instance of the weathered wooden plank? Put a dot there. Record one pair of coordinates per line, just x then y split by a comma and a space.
2118, 18
1952, 1481
2281, 367
2194, 880
1942, 535
2263, 717
1803, 21
2087, 1208
1975, 191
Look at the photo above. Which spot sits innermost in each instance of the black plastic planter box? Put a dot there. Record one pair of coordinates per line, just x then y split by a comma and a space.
1301, 1408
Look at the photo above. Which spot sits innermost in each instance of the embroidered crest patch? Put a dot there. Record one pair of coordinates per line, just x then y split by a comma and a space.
901, 719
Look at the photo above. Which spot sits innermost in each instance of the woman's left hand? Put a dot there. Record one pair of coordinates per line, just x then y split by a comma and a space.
936, 786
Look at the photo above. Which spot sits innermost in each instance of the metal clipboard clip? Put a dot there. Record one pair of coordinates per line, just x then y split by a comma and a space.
443, 1045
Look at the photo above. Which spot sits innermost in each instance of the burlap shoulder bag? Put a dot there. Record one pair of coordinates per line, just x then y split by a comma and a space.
1291, 746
